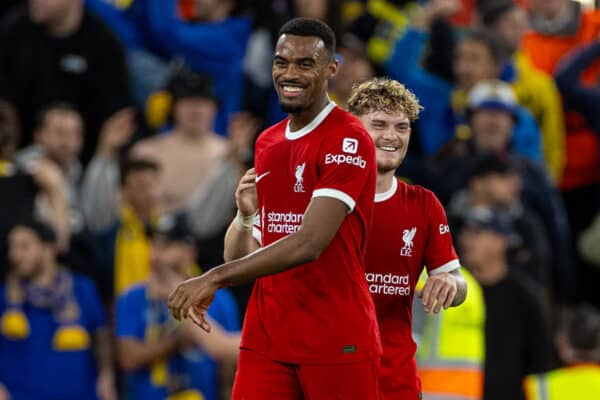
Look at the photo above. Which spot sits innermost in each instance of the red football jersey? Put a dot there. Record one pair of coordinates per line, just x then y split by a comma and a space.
319, 312
409, 231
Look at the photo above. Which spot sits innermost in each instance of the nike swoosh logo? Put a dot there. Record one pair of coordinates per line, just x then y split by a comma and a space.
259, 177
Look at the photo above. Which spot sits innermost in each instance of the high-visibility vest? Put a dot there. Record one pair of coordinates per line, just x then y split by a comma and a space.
581, 382
451, 353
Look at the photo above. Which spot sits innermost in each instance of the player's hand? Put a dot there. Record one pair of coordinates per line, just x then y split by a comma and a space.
439, 292
4, 395
245, 194
106, 387
192, 298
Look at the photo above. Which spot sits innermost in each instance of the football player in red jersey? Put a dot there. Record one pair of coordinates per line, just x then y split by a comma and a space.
409, 232
310, 330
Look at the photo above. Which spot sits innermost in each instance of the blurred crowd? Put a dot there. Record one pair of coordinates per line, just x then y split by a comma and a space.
125, 126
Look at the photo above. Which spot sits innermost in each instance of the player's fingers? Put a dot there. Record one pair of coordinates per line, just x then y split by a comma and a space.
450, 297
433, 295
425, 291
246, 186
441, 298
250, 178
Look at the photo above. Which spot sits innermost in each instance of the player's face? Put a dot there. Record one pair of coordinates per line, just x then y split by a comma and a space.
194, 115
61, 136
473, 63
391, 135
492, 129
26, 252
301, 68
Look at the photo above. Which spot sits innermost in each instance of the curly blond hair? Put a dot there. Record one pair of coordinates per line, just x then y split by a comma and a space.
383, 94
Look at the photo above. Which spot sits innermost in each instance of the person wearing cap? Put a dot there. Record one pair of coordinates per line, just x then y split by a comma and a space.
491, 119
494, 182
535, 90
578, 343
162, 358
478, 57
516, 330
54, 340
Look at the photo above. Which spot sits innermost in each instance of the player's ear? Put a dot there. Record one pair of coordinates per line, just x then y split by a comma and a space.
332, 68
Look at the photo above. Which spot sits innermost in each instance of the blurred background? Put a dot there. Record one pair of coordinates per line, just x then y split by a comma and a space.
125, 126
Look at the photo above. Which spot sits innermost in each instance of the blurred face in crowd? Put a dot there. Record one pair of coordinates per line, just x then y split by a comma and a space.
548, 8
61, 136
354, 69
27, 253
510, 28
311, 8
483, 252
48, 12
212, 10
492, 129
140, 191
194, 116
496, 189
473, 63
171, 262
301, 68
391, 135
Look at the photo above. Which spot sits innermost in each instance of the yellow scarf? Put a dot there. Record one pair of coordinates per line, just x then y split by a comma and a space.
132, 252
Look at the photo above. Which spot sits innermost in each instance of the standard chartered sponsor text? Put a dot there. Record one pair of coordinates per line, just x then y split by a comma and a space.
388, 284
283, 222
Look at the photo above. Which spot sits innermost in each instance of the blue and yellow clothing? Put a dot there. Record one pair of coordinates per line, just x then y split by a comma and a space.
443, 117
44, 359
144, 319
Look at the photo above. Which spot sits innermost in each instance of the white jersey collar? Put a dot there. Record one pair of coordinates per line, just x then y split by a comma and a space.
311, 125
379, 197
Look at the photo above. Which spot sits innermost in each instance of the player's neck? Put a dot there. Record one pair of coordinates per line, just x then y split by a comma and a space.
301, 119
385, 181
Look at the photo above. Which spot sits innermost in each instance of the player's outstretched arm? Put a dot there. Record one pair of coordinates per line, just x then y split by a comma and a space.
447, 289
321, 221
239, 241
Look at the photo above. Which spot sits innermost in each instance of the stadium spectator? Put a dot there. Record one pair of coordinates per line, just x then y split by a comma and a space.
21, 189
578, 343
54, 342
491, 119
584, 98
163, 358
121, 223
535, 90
58, 51
560, 26
477, 58
58, 137
494, 182
517, 332
190, 153
214, 43
355, 67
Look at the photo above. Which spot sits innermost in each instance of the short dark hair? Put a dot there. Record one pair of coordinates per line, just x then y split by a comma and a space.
310, 27
583, 328
40, 118
132, 165
493, 45
491, 13
44, 231
491, 164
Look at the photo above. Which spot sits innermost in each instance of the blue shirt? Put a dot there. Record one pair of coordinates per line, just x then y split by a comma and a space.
31, 369
136, 313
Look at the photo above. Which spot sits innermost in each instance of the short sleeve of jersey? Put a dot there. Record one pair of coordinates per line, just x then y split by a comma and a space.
440, 255
129, 311
345, 162
92, 305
